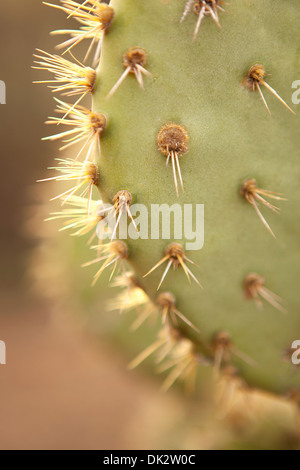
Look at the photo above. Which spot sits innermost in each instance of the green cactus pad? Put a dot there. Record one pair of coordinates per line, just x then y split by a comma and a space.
199, 85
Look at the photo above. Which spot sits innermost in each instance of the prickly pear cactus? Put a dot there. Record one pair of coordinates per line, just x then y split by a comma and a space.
206, 88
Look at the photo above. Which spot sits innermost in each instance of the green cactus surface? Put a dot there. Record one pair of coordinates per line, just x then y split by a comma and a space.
198, 84
207, 86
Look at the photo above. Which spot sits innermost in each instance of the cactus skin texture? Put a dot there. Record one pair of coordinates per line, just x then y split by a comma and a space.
200, 85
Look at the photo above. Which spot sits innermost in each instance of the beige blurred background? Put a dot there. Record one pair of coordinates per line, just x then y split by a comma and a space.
60, 389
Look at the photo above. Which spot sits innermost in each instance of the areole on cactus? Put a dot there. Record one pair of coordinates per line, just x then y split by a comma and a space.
165, 92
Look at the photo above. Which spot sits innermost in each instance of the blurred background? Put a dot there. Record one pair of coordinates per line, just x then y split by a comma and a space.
60, 388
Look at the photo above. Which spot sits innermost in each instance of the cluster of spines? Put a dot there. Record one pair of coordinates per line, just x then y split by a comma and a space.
72, 78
